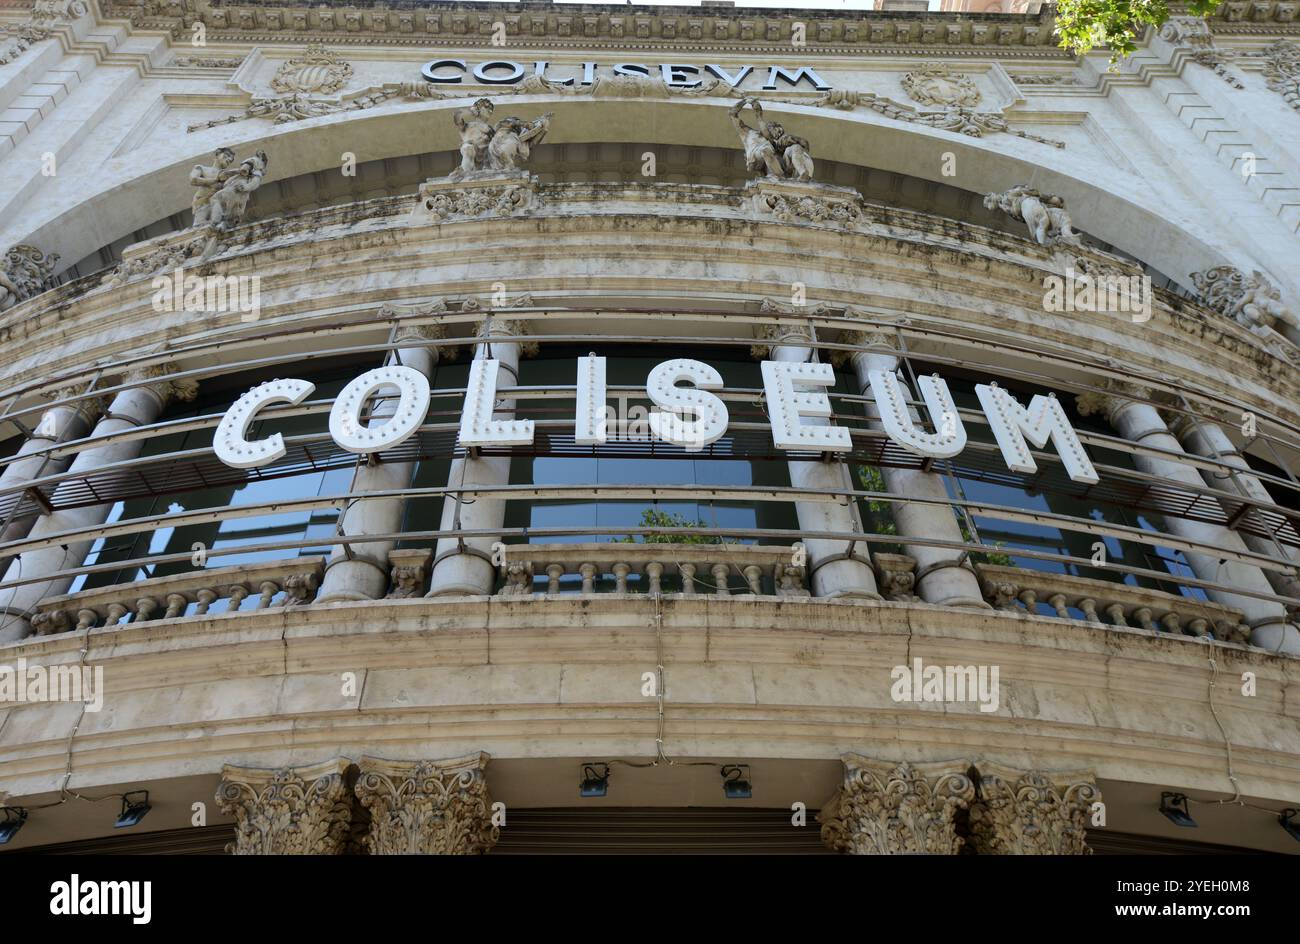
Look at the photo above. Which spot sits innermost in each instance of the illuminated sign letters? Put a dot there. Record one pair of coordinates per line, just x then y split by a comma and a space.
675, 75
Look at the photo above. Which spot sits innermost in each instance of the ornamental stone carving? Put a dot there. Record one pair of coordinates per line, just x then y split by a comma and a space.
317, 71
791, 581
896, 576
955, 118
25, 272
1044, 78
45, 17
160, 381
889, 808
1043, 214
1251, 301
937, 84
1193, 33
290, 811
792, 202
1282, 71
427, 807
769, 148
488, 148
1017, 812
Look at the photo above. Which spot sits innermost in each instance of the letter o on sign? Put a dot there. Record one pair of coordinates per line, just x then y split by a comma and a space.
412, 407
515, 74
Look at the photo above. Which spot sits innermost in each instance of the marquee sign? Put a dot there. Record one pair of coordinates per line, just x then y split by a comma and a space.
678, 76
688, 414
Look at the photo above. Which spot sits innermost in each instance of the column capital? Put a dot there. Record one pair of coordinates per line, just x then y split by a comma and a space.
491, 328
891, 808
1030, 812
287, 811
786, 333
89, 409
1113, 397
427, 807
159, 379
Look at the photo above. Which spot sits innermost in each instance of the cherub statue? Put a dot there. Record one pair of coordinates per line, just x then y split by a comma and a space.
512, 142
1043, 214
1261, 306
229, 203
208, 178
760, 149
475, 134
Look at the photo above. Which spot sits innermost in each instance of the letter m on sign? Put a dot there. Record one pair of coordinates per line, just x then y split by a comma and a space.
1045, 419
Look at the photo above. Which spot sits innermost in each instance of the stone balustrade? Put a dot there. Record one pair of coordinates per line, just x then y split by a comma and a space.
691, 569
1105, 602
171, 597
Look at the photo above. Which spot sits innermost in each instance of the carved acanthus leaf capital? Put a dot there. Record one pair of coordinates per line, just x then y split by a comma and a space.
1017, 812
160, 380
889, 808
1110, 399
289, 811
427, 807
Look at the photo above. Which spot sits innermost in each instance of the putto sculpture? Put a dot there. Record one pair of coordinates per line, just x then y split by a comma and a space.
25, 271
1044, 214
222, 192
769, 147
1252, 301
488, 148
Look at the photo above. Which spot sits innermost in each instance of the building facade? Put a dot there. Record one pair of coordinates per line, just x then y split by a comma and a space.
480, 427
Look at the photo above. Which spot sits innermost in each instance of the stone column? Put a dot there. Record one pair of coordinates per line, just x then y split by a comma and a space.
138, 406
889, 808
427, 807
58, 424
941, 576
467, 569
290, 811
361, 571
1141, 423
832, 571
1207, 439
1017, 812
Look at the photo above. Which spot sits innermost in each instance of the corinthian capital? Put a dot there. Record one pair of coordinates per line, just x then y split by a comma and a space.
1028, 812
161, 382
1108, 401
290, 811
427, 807
888, 808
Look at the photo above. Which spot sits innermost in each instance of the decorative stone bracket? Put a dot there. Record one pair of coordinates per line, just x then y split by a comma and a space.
505, 193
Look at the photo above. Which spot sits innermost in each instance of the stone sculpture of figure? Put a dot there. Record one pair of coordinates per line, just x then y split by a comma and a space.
1261, 306
475, 135
1043, 214
512, 141
229, 203
208, 178
760, 151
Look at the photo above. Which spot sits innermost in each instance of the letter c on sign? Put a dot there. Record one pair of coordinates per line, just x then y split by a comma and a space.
230, 442
402, 422
430, 70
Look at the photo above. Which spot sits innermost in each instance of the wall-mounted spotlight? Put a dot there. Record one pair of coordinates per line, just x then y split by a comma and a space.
14, 817
134, 807
1174, 806
1288, 822
736, 784
595, 780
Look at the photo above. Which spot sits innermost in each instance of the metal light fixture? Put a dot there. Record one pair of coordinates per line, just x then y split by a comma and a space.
736, 784
1287, 821
1174, 806
595, 780
14, 817
133, 810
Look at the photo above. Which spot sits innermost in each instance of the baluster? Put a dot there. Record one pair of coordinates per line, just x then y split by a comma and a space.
235, 593
1116, 613
1089, 607
269, 589
176, 604
654, 572
753, 574
86, 619
1057, 602
1030, 599
720, 573
144, 608
687, 572
588, 572
205, 600
1143, 615
620, 577
115, 612
553, 574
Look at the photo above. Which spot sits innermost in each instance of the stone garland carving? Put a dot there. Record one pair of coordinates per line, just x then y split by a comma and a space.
164, 258
887, 808
300, 82
1030, 812
769, 147
46, 15
1193, 33
291, 811
937, 84
956, 118
465, 204
1043, 214
1044, 78
792, 207
25, 271
1253, 302
1282, 71
201, 62
427, 807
